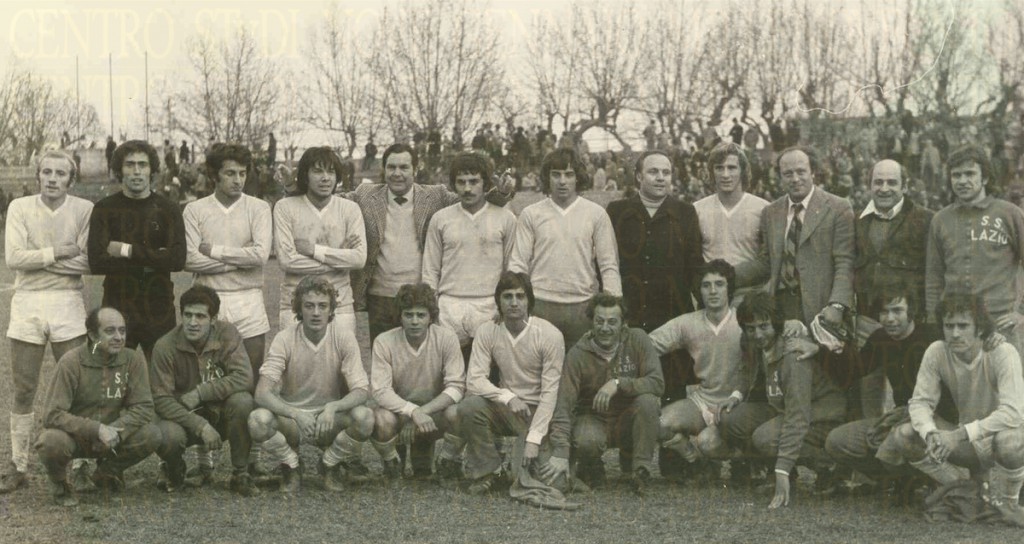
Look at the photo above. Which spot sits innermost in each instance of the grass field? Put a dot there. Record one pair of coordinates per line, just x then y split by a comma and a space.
425, 512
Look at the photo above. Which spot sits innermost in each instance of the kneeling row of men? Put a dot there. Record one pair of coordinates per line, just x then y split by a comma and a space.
762, 390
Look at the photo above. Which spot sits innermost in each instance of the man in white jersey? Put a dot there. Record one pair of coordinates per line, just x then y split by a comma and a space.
730, 219
712, 337
316, 232
528, 352
417, 378
468, 246
566, 244
312, 388
228, 235
396, 213
988, 391
45, 244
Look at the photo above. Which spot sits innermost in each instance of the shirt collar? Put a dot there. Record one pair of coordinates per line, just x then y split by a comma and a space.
806, 201
408, 196
871, 209
981, 205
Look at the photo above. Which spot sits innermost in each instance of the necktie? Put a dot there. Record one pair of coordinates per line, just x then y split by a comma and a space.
401, 200
790, 275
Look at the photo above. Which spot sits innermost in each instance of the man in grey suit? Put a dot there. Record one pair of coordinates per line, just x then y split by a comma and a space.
807, 245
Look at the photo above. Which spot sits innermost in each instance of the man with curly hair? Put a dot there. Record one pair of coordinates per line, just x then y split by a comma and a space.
137, 238
312, 388
417, 378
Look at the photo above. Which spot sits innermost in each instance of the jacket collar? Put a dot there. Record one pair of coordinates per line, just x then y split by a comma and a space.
213, 343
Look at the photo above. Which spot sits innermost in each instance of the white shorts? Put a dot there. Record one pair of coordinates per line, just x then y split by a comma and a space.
345, 316
41, 316
464, 315
983, 448
245, 310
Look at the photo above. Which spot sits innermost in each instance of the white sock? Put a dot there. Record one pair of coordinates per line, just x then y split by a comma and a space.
386, 450
21, 439
254, 453
344, 448
1005, 483
944, 472
451, 447
280, 452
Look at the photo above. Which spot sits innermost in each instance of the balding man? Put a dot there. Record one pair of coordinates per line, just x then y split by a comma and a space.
891, 237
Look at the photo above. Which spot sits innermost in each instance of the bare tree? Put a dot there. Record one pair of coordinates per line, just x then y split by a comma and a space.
34, 113
951, 57
1005, 41
590, 74
341, 96
823, 44
725, 65
672, 93
768, 33
233, 92
438, 65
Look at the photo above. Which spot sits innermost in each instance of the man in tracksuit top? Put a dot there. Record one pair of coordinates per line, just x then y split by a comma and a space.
975, 246
608, 395
801, 403
99, 406
201, 380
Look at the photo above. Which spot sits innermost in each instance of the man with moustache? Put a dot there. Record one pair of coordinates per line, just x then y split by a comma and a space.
137, 238
396, 213
974, 245
807, 245
45, 245
202, 382
566, 244
467, 248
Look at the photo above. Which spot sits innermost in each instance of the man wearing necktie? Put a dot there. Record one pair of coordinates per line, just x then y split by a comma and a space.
807, 244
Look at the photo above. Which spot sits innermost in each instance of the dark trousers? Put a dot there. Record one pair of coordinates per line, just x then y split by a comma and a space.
382, 314
633, 429
56, 448
230, 418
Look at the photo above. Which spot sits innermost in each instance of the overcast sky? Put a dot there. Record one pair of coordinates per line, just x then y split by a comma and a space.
49, 35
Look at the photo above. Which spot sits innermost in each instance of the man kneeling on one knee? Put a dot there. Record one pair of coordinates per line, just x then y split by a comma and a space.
988, 391
608, 395
418, 376
312, 388
99, 406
